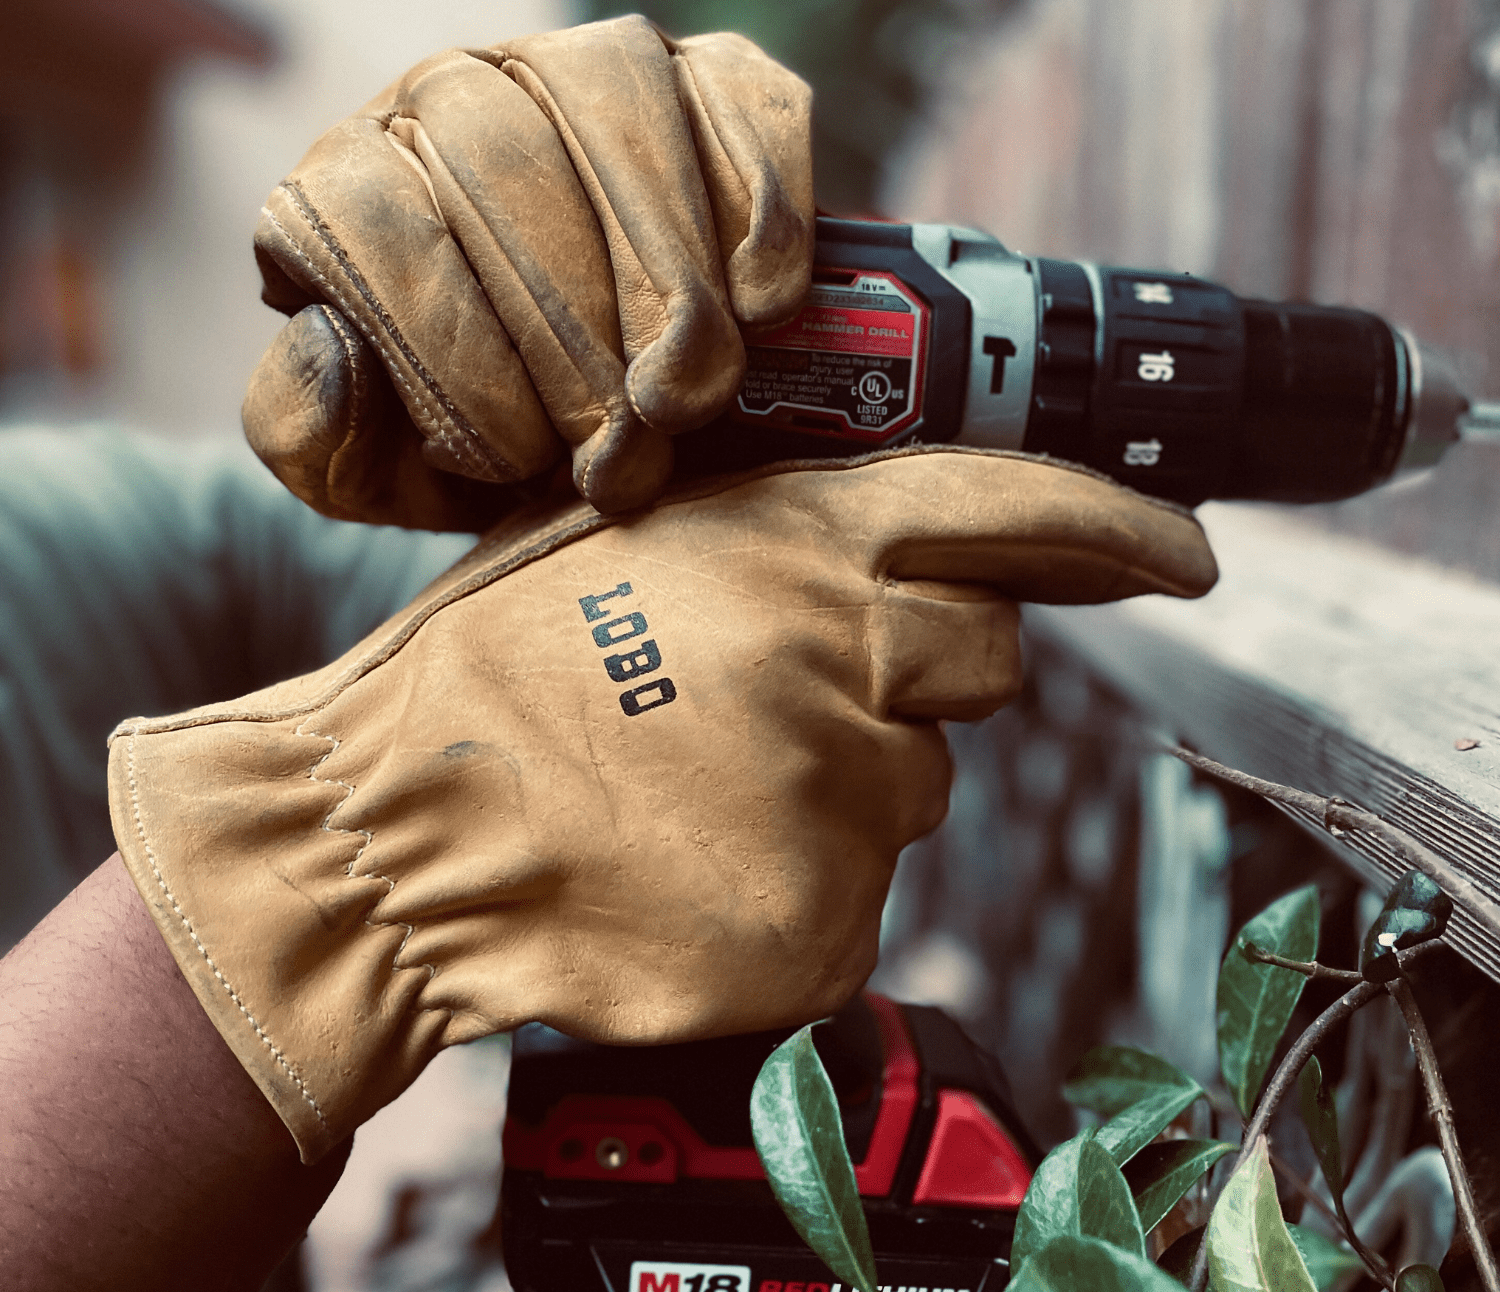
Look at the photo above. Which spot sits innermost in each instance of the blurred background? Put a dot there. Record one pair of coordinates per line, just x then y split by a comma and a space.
1333, 150
1339, 151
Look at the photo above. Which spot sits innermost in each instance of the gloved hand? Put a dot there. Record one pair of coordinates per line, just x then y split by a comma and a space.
546, 244
644, 781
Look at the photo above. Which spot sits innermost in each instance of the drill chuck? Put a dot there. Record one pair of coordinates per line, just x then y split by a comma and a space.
1166, 382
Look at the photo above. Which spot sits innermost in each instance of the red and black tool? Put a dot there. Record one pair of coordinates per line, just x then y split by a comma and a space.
1169, 383
633, 1169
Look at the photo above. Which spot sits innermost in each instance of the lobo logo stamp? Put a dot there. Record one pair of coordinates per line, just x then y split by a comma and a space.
669, 1276
636, 661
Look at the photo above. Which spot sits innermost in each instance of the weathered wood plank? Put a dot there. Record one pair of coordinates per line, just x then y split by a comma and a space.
1333, 666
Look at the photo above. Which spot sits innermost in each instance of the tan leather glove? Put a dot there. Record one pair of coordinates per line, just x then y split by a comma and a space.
643, 781
542, 245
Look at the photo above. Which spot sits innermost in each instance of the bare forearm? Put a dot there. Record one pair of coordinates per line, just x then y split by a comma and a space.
134, 1149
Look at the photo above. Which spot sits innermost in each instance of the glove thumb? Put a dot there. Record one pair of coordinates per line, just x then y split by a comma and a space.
322, 415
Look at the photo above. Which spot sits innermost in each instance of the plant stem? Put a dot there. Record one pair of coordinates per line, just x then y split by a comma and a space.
1336, 816
1310, 968
1441, 1111
1309, 1194
1349, 1003
1354, 999
1373, 1261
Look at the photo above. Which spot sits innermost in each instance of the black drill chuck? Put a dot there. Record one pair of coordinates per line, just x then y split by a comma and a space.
1175, 386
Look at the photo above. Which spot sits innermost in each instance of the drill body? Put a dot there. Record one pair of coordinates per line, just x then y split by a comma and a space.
1166, 382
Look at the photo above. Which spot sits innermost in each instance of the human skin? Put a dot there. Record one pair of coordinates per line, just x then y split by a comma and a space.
135, 1152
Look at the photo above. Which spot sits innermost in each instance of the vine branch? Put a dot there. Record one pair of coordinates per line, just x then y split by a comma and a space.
1309, 968
1347, 1004
1338, 816
1440, 1109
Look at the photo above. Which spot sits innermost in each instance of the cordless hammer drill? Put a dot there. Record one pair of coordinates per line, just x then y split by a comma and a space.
1166, 382
634, 1170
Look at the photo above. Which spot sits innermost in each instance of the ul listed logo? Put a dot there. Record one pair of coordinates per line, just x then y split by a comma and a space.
636, 661
874, 388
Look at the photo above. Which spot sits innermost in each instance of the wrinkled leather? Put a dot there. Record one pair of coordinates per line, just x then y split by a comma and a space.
545, 245
643, 780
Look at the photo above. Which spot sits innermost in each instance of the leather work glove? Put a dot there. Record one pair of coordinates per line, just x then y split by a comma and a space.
513, 251
641, 780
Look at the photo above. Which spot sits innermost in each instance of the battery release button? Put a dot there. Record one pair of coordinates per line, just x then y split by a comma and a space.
971, 1161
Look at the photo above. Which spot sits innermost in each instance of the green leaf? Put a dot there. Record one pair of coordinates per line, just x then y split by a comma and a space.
1070, 1263
1256, 1000
1109, 1078
1416, 911
1077, 1189
1127, 1133
1249, 1248
1326, 1260
1322, 1121
1138, 1092
1178, 1259
1161, 1173
1419, 1278
800, 1139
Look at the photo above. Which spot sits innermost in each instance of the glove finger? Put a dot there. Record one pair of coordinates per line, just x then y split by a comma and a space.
506, 189
1031, 529
944, 651
752, 125
356, 226
322, 415
610, 92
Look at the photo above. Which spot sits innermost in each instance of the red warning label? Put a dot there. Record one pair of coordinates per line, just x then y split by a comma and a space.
829, 327
850, 364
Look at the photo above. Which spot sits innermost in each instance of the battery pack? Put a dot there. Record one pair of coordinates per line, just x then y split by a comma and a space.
634, 1170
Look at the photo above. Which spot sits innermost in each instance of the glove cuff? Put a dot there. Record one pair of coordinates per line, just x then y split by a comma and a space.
275, 937
231, 821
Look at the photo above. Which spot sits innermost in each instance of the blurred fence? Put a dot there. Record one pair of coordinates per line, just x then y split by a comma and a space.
1341, 151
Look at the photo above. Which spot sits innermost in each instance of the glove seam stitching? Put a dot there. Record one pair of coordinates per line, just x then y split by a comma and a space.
429, 391
335, 744
341, 298
187, 924
342, 330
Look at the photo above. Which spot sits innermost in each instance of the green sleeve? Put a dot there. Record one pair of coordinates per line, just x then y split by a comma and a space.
145, 577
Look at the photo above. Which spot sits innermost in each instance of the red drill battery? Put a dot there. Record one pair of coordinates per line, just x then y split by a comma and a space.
634, 1170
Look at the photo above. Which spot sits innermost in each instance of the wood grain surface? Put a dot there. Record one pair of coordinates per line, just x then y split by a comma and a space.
1333, 666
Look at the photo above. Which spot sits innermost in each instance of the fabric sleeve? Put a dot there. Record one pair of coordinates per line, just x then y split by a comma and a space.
144, 576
